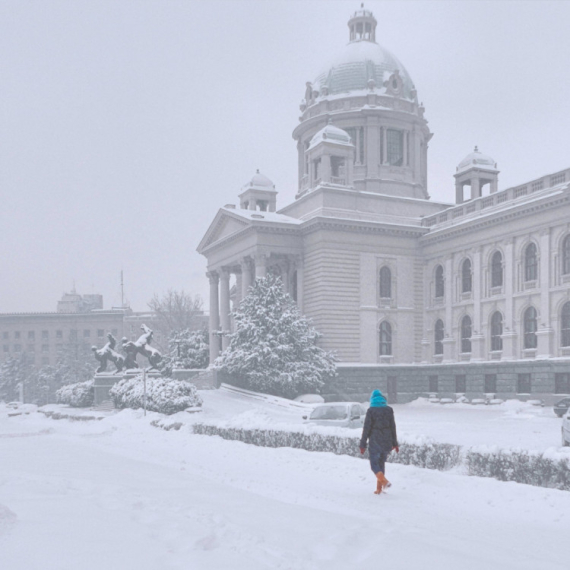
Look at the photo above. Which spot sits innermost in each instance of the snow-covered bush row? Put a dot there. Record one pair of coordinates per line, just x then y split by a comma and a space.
522, 466
441, 456
163, 395
79, 395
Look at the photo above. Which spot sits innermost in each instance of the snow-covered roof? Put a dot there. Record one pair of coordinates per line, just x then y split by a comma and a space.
259, 182
333, 134
256, 215
477, 159
357, 63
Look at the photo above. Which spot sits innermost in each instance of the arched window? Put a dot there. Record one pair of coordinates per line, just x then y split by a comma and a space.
439, 285
385, 339
466, 277
497, 270
530, 263
566, 255
496, 331
438, 337
466, 334
385, 283
530, 328
565, 325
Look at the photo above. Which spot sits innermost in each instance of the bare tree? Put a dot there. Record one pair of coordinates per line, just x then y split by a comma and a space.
175, 311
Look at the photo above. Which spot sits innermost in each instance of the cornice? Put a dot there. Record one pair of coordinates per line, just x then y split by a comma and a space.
492, 219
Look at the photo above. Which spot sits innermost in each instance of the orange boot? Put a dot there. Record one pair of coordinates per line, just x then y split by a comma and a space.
383, 483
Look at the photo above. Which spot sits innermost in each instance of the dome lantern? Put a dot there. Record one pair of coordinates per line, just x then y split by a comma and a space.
259, 194
475, 170
362, 26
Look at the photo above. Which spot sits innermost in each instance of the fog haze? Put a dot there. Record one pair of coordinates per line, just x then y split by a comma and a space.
124, 126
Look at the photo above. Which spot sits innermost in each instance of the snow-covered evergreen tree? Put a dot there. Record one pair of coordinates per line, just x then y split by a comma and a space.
14, 371
75, 363
274, 347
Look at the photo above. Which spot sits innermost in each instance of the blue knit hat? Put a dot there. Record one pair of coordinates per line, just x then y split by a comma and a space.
377, 400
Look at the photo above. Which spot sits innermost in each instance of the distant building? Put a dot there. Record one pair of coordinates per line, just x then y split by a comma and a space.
79, 318
414, 296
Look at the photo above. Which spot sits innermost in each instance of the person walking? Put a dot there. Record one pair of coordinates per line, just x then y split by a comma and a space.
380, 431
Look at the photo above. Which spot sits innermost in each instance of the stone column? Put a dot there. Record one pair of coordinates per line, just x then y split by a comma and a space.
475, 188
245, 277
449, 341
405, 149
225, 306
544, 332
372, 150
260, 265
239, 288
509, 282
477, 338
384, 147
326, 168
300, 281
214, 316
458, 193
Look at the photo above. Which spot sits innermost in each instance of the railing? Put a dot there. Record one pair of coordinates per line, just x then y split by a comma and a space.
497, 198
338, 180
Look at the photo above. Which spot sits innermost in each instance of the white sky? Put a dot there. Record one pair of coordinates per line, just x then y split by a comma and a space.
125, 125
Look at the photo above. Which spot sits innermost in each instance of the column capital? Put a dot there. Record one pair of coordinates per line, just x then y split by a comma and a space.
213, 276
225, 273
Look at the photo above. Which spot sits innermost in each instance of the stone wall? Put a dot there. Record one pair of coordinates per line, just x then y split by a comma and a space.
354, 383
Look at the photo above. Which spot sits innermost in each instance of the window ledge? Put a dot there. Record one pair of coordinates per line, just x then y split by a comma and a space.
530, 285
496, 290
529, 353
386, 359
496, 354
385, 302
437, 357
466, 295
465, 356
566, 278
565, 350
438, 301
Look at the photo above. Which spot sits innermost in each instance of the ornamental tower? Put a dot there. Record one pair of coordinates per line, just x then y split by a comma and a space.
366, 91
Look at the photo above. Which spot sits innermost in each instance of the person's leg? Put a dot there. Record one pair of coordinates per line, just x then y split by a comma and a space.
382, 464
375, 459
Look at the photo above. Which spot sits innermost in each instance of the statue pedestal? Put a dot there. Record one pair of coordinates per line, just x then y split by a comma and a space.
102, 383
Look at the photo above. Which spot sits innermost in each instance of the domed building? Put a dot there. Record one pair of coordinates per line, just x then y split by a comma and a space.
415, 296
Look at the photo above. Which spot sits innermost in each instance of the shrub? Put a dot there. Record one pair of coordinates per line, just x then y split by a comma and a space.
79, 395
521, 466
163, 395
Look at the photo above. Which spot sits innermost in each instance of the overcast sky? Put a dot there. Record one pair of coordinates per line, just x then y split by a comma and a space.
124, 125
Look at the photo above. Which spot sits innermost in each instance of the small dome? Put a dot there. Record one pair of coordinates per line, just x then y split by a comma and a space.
259, 182
332, 134
477, 159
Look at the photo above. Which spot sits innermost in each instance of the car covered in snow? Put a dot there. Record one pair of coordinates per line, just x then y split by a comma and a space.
566, 429
342, 414
561, 407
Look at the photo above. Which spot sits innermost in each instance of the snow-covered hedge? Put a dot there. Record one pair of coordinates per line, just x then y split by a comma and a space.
548, 469
531, 468
79, 395
163, 395
441, 456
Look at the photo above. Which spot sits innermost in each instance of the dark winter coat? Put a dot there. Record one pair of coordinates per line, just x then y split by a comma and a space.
380, 429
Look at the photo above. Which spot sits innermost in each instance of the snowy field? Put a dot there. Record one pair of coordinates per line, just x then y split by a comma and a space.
118, 494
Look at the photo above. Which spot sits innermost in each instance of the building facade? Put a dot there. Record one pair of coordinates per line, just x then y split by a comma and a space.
401, 286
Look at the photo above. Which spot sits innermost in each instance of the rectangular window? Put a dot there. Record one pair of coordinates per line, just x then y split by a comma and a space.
562, 383
45, 347
86, 333
395, 147
45, 335
5, 335
460, 383
31, 348
17, 334
100, 333
490, 383
31, 335
524, 384
433, 384
58, 334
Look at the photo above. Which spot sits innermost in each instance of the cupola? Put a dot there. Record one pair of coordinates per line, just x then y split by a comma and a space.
475, 170
362, 26
259, 194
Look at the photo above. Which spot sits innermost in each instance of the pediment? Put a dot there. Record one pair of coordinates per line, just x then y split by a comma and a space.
222, 227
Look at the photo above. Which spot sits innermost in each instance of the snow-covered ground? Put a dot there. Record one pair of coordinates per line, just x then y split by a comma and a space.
118, 494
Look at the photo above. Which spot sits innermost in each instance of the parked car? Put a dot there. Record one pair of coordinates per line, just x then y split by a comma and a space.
343, 414
561, 407
566, 429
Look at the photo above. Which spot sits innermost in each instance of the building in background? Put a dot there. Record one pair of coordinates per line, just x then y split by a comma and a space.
414, 296
78, 319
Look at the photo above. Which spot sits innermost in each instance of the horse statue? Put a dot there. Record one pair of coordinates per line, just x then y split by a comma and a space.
103, 355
